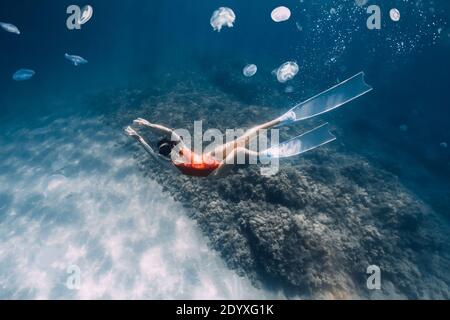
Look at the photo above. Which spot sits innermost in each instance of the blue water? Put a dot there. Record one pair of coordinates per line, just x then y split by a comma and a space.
141, 44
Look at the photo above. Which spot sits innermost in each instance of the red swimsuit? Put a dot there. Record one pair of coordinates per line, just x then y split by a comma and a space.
195, 165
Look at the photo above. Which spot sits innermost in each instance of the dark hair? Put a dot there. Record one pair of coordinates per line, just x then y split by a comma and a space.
165, 146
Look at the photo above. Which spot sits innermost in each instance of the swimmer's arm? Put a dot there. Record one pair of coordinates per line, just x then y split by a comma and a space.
132, 133
158, 128
147, 147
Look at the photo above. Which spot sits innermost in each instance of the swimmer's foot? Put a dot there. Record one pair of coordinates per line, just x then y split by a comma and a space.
287, 118
142, 122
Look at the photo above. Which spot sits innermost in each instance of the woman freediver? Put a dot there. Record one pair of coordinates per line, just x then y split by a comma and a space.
174, 153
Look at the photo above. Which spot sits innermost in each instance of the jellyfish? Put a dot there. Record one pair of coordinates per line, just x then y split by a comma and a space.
55, 182
23, 74
395, 15
76, 60
222, 17
9, 27
287, 71
250, 70
289, 89
281, 14
86, 14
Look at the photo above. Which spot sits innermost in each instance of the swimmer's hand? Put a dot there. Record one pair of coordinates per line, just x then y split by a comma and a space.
142, 122
131, 132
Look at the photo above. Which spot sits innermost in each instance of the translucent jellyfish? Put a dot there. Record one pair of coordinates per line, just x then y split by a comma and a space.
9, 27
394, 14
56, 185
404, 128
289, 89
56, 182
222, 17
287, 71
444, 145
76, 60
86, 14
23, 74
250, 70
281, 14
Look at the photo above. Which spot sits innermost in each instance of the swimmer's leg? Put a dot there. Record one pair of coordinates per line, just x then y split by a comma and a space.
301, 144
328, 100
223, 151
298, 145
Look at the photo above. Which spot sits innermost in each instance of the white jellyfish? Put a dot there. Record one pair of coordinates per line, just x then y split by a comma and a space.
76, 60
222, 17
9, 27
287, 71
281, 14
86, 14
23, 75
395, 15
250, 70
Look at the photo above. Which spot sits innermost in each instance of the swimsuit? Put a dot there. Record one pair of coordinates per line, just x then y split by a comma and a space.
195, 165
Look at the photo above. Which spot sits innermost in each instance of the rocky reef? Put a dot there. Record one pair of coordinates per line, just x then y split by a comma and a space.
311, 230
